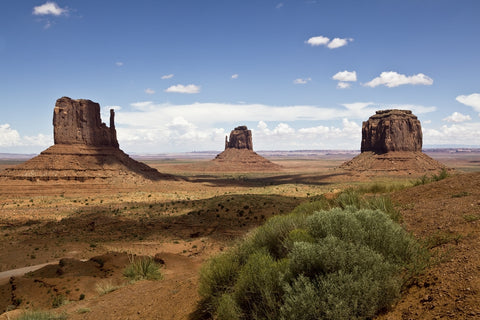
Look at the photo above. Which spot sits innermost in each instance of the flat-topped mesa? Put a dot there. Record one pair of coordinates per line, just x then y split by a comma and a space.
78, 122
392, 130
240, 138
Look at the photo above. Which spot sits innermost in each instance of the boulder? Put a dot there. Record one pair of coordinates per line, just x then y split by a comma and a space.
391, 130
240, 138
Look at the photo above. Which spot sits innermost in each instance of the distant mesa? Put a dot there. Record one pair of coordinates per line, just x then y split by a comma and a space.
392, 144
84, 148
239, 155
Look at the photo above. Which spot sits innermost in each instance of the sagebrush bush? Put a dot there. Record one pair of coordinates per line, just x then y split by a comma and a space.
342, 263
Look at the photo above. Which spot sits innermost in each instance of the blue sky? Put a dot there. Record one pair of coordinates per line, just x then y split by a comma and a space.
182, 74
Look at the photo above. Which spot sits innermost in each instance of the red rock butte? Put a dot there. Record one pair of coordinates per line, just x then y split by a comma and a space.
392, 144
239, 155
84, 149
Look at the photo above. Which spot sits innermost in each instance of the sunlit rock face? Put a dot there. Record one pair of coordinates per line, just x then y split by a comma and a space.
392, 130
240, 138
78, 122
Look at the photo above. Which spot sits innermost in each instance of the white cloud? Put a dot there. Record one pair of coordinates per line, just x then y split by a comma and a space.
302, 81
324, 41
119, 63
318, 41
459, 134
49, 8
472, 100
202, 126
235, 76
284, 137
149, 91
337, 43
180, 88
167, 76
343, 85
278, 6
457, 117
10, 137
345, 76
393, 79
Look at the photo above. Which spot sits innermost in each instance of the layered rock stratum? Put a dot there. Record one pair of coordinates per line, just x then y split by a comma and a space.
84, 149
392, 144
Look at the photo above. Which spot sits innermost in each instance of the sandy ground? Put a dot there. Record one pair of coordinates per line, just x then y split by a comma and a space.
92, 231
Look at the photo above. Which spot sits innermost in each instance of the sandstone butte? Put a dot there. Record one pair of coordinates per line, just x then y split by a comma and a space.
239, 155
84, 149
392, 144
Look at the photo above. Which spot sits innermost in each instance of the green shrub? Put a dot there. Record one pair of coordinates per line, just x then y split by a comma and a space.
143, 269
346, 263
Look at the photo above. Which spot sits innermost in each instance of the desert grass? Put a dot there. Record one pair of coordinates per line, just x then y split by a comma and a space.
144, 268
106, 286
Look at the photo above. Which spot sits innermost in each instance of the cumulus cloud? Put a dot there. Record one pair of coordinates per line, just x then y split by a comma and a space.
345, 136
302, 80
455, 134
10, 137
235, 76
472, 100
457, 117
344, 77
146, 125
49, 8
325, 41
149, 91
180, 88
393, 79
167, 76
338, 42
318, 41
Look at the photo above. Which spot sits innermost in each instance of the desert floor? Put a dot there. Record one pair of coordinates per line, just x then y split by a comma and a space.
88, 232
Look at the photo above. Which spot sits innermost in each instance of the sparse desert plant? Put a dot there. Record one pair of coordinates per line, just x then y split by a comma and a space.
59, 300
144, 268
83, 310
40, 315
338, 264
106, 286
435, 177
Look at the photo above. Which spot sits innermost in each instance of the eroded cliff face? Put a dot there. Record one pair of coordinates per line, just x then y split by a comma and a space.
78, 122
392, 130
240, 138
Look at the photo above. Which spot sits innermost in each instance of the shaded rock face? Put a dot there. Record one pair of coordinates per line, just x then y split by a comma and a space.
78, 122
391, 130
240, 138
